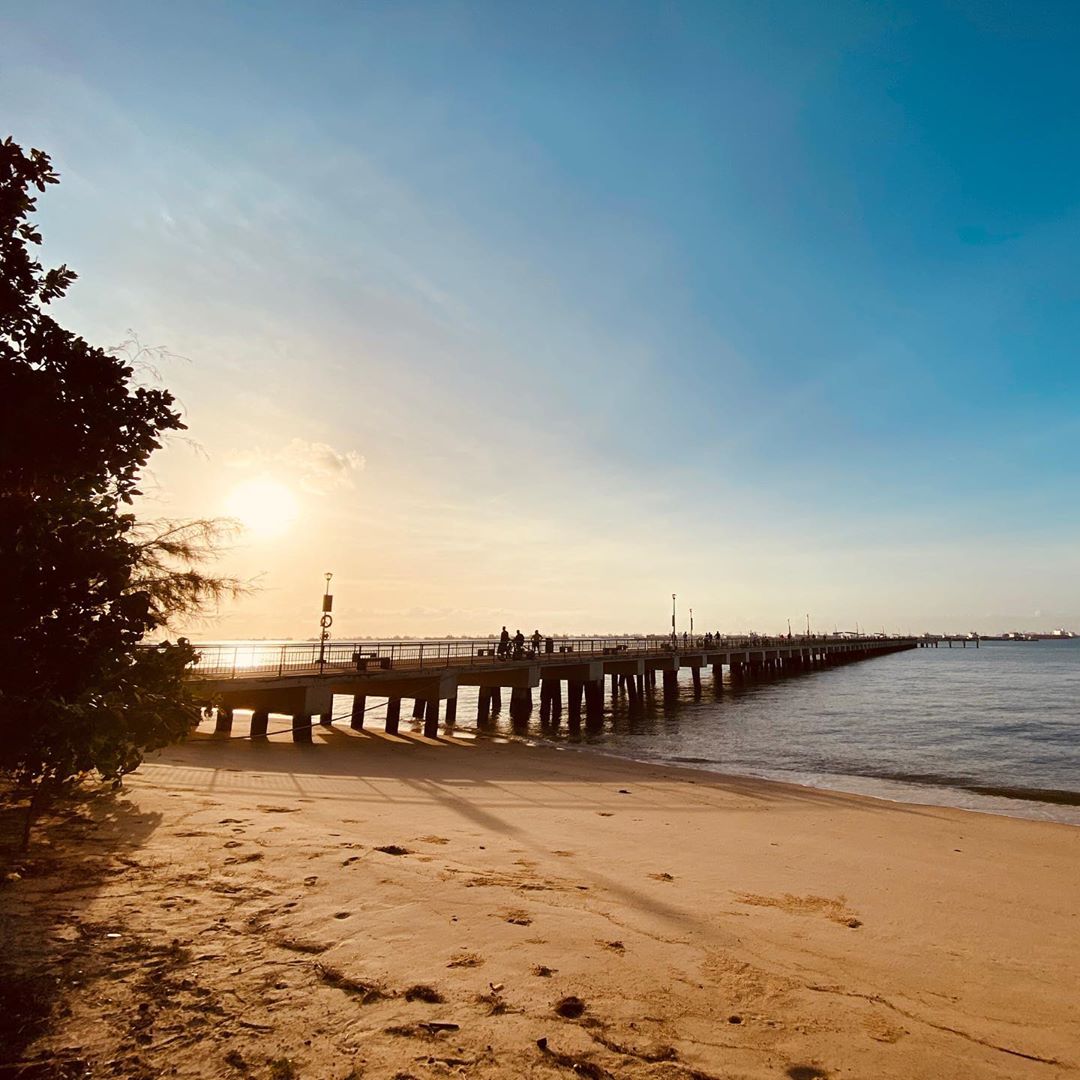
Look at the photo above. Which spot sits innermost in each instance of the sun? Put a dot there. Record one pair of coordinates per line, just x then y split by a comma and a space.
264, 506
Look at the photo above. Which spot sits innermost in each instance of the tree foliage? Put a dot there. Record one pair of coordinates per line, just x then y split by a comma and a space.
81, 582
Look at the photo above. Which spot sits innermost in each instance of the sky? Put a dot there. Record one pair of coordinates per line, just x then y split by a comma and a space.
539, 313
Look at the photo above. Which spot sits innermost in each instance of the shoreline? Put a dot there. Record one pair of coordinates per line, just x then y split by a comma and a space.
1059, 807
377, 905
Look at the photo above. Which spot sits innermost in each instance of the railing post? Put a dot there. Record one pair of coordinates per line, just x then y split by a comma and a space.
281, 659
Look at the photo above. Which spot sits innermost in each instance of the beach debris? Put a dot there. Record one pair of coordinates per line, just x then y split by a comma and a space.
623, 791
664, 876
296, 945
428, 1030
734, 1019
518, 918
465, 960
283, 1069
435, 1026
393, 849
542, 971
583, 1067
495, 1002
251, 856
833, 908
614, 946
495, 987
367, 992
310, 880
652, 1057
420, 992
570, 1007
236, 1060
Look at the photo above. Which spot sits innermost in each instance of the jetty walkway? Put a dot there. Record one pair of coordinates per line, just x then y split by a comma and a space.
299, 680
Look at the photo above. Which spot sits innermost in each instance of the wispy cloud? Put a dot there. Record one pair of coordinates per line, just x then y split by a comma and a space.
316, 466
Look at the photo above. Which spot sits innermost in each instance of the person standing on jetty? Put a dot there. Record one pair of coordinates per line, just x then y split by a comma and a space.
536, 639
504, 642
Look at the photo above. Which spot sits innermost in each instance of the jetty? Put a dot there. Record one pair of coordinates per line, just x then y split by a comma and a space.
300, 679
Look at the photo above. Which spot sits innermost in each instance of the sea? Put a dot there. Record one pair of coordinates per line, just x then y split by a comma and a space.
994, 729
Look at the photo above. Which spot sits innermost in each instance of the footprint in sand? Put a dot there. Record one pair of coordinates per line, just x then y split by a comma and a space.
564, 854
604, 813
433, 840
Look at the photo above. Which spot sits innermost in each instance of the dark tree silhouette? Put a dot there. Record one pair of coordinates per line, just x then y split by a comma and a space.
81, 582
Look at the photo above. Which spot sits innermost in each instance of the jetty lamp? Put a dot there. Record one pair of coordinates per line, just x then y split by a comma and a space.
673, 618
326, 621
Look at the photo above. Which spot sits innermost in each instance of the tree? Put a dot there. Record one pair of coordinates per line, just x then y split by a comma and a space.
81, 582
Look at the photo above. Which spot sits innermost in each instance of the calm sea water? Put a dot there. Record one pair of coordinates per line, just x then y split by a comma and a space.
995, 728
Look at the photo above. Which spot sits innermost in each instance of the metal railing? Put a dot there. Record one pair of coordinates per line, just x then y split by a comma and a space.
277, 659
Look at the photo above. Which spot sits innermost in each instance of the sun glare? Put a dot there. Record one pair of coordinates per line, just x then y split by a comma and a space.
264, 506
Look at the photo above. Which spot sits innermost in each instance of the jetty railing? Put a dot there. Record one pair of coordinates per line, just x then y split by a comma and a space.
275, 659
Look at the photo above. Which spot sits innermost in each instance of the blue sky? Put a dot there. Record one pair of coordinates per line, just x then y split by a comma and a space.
773, 305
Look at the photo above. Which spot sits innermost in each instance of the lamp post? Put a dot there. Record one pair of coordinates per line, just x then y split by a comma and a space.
691, 625
808, 625
326, 621
673, 635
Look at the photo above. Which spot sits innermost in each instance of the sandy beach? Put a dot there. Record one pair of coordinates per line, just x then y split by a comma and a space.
393, 907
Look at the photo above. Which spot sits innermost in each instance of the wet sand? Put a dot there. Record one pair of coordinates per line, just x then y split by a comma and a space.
372, 906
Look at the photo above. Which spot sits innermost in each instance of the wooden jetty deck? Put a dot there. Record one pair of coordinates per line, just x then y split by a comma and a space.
300, 680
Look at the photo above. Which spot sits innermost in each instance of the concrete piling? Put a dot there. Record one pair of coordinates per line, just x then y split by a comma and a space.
359, 704
431, 718
301, 723
223, 724
393, 715
259, 720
